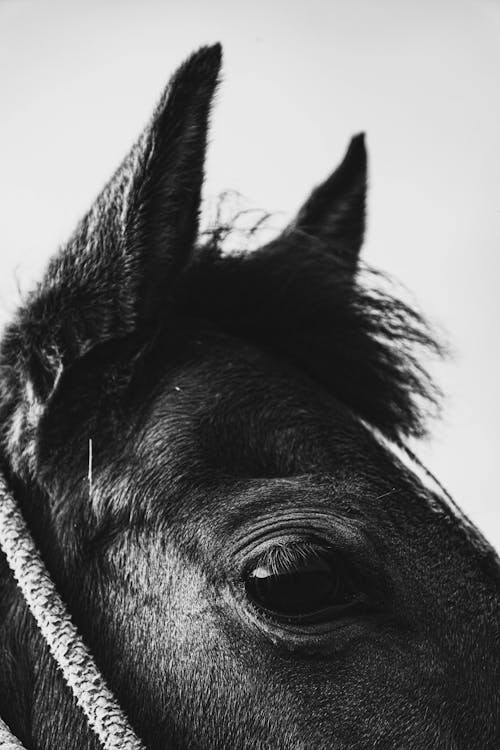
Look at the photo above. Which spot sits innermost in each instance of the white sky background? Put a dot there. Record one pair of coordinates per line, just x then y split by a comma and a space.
79, 80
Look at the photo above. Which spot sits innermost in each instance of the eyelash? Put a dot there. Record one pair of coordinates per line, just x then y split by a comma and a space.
284, 557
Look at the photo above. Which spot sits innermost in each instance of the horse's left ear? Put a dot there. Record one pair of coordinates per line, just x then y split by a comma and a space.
334, 213
114, 275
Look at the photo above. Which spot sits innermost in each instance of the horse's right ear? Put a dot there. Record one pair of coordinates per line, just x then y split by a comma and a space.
115, 272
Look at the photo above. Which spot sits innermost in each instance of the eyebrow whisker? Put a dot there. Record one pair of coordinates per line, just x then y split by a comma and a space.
386, 494
89, 475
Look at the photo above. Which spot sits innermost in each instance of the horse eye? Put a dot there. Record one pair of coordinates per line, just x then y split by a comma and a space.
306, 589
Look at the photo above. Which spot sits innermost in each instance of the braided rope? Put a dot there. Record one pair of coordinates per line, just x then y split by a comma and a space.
7, 739
72, 656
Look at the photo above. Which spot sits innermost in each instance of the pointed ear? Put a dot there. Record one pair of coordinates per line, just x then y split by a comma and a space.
114, 275
299, 296
334, 213
165, 191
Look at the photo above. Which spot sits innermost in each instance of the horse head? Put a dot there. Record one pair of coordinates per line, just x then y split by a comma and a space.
211, 452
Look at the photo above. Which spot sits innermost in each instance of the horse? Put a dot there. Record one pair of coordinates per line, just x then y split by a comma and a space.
211, 451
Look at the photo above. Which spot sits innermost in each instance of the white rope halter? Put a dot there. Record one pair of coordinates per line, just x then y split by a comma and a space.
66, 646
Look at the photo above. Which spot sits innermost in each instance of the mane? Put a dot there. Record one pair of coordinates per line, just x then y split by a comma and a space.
351, 333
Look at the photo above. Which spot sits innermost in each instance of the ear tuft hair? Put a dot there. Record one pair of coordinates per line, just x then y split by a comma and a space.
299, 300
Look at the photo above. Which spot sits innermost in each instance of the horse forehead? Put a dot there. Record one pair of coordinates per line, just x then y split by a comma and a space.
232, 390
229, 409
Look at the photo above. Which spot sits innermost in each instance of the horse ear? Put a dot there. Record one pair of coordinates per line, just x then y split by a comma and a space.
114, 274
300, 297
164, 198
334, 213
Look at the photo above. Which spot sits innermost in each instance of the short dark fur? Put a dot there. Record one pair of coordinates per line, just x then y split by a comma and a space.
223, 392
